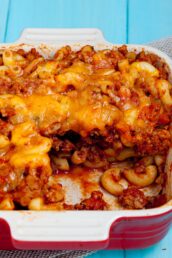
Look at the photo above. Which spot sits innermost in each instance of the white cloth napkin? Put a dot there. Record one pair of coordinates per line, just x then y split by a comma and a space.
45, 254
164, 45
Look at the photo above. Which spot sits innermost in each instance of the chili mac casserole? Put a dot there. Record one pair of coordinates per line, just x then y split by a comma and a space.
83, 130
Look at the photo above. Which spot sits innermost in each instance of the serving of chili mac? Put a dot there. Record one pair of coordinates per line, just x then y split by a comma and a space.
95, 124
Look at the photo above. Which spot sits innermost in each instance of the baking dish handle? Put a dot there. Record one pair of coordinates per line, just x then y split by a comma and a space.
62, 36
82, 229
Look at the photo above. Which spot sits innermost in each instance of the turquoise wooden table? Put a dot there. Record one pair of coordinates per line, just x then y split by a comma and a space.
122, 21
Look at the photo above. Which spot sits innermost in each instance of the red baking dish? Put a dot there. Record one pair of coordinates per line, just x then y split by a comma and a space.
119, 229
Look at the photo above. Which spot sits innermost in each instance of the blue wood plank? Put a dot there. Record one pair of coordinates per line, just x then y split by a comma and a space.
109, 16
108, 254
4, 8
149, 20
161, 250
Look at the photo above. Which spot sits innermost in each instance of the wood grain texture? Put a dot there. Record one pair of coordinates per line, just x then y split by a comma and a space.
4, 10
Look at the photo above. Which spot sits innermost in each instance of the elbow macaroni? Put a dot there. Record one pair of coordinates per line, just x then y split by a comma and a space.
111, 181
142, 179
11, 59
164, 92
146, 67
38, 204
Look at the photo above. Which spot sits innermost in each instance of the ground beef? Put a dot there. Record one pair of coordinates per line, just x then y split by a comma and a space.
30, 55
157, 142
133, 198
23, 87
123, 50
150, 113
53, 194
95, 202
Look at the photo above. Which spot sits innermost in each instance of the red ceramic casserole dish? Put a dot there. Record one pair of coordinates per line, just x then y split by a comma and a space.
121, 229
